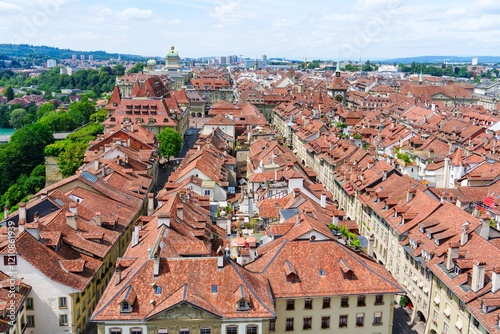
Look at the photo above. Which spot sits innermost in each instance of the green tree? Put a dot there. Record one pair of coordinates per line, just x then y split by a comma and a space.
118, 69
9, 93
170, 143
136, 68
44, 109
17, 118
72, 158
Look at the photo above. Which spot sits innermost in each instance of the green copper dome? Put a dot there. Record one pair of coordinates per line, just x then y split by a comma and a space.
172, 52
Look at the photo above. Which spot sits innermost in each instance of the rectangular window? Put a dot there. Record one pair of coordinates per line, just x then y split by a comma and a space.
343, 321
446, 329
344, 302
272, 325
326, 302
379, 299
252, 329
62, 302
115, 331
307, 323
29, 303
290, 304
184, 331
377, 318
205, 330
214, 288
63, 320
308, 304
136, 331
325, 322
30, 320
231, 330
361, 301
450, 293
289, 324
360, 319
207, 192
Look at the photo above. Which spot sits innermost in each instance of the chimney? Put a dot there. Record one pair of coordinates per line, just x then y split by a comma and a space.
384, 177
98, 218
5, 212
485, 229
451, 255
73, 208
163, 219
495, 279
323, 200
370, 163
21, 225
478, 273
369, 250
36, 217
464, 236
151, 204
250, 204
410, 194
118, 276
156, 265
298, 220
71, 220
22, 211
433, 106
180, 211
96, 164
220, 258
107, 147
296, 192
135, 235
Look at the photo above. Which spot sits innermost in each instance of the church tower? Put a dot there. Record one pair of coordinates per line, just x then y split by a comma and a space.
338, 90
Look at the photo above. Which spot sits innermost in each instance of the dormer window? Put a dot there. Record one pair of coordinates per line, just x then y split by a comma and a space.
126, 307
457, 270
243, 305
429, 235
436, 241
422, 230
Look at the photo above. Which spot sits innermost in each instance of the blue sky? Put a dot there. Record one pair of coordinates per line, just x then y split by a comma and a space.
326, 29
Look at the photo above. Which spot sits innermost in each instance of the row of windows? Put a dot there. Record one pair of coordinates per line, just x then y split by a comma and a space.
250, 329
31, 306
325, 321
344, 302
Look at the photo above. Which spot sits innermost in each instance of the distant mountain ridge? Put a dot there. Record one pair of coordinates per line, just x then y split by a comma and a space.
441, 59
31, 51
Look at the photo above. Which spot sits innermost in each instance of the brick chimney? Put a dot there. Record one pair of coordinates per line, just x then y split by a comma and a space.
5, 212
485, 229
151, 203
71, 220
98, 218
118, 276
73, 208
22, 211
323, 200
410, 194
451, 255
464, 236
478, 273
495, 279
21, 225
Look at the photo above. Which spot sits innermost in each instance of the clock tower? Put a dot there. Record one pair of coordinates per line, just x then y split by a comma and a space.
338, 90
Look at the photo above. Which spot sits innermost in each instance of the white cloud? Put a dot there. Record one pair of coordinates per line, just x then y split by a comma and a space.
7, 8
231, 12
126, 14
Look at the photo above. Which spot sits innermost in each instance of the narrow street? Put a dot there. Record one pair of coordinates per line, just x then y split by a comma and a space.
164, 171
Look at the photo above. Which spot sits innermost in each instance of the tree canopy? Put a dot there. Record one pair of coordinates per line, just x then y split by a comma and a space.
170, 143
